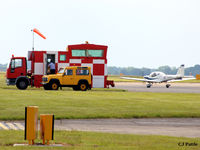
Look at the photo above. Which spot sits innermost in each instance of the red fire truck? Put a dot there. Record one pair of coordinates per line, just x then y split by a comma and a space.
91, 55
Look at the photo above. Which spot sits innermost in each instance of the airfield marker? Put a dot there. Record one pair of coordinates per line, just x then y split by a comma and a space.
3, 126
11, 126
21, 127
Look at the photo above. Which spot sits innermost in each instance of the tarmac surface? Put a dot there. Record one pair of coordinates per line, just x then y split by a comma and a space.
179, 127
161, 88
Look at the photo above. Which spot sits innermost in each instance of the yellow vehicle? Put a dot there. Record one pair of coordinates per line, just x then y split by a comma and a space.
79, 78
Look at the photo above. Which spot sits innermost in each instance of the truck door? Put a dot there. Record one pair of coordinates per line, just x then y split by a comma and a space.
17, 68
68, 78
49, 58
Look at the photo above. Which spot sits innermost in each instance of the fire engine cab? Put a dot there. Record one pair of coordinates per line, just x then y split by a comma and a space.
94, 56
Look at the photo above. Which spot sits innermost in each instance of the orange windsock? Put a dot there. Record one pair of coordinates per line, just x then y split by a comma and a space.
38, 32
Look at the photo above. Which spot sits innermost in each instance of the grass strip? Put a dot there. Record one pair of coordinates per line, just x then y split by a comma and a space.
101, 141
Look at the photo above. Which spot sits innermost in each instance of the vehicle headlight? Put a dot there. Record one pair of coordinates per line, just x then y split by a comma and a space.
44, 79
7, 81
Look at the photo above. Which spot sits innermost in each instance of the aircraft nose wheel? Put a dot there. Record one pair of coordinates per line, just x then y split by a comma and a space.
168, 85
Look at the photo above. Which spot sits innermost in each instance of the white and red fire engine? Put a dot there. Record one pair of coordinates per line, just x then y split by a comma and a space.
91, 55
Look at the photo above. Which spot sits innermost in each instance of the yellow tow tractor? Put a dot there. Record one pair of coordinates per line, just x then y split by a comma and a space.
79, 78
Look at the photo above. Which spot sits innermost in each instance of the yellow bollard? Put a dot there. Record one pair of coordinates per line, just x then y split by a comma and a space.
46, 127
31, 124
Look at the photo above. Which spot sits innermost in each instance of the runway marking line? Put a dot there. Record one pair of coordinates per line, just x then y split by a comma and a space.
3, 126
12, 126
21, 127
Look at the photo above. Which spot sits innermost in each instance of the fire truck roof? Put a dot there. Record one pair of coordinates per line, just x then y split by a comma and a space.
87, 46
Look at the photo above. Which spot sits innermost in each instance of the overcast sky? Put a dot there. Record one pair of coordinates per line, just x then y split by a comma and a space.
139, 33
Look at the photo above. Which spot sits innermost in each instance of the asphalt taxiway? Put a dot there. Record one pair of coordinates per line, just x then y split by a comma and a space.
160, 88
179, 127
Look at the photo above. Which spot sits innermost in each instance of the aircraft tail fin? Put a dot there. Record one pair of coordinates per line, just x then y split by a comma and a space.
180, 71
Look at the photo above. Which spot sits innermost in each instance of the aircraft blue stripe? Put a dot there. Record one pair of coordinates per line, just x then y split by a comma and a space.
149, 78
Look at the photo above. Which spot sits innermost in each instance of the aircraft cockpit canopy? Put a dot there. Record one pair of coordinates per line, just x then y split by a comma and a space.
154, 74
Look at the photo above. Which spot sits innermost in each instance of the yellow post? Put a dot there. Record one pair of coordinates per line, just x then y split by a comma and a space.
31, 123
46, 127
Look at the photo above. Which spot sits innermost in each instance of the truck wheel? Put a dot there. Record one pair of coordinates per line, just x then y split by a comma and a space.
46, 87
76, 88
83, 86
54, 86
22, 85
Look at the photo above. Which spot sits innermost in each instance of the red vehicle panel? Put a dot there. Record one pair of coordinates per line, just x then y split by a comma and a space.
17, 67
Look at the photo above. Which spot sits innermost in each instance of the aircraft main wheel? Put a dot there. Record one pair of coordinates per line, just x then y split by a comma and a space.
148, 85
168, 85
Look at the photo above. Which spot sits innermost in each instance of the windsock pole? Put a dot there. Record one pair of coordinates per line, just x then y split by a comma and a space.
33, 41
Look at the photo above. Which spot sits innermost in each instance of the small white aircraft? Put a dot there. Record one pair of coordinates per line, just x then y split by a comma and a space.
160, 77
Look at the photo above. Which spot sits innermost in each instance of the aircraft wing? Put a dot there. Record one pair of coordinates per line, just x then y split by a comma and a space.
183, 79
139, 79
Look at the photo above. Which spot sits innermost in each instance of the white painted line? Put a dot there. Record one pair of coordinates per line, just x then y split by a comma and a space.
78, 61
20, 126
98, 61
3, 126
12, 127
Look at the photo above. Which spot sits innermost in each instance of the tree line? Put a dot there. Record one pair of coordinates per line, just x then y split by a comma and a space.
3, 67
112, 70
146, 71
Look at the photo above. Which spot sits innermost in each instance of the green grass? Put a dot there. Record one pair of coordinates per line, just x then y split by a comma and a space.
100, 141
103, 103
